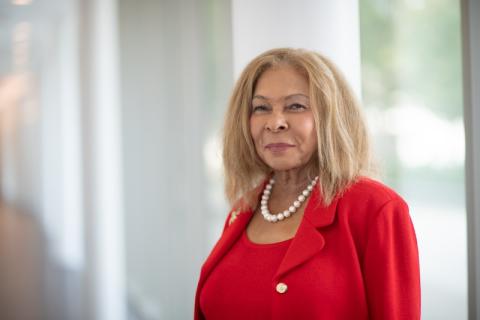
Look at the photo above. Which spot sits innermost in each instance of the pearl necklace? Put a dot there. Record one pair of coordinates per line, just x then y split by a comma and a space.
292, 209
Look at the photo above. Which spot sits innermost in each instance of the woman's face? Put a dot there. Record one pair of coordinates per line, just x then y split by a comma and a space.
281, 122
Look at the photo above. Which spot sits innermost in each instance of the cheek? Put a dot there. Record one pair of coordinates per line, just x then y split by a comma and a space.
307, 130
308, 135
313, 132
313, 135
255, 129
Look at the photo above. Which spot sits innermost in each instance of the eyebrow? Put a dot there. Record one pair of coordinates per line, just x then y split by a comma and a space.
286, 97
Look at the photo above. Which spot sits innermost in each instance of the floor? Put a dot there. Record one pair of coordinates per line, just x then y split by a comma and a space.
21, 266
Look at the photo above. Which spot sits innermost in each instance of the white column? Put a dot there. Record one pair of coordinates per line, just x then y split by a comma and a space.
328, 26
103, 182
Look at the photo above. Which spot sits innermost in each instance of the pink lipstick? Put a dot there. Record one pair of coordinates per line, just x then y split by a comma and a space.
278, 147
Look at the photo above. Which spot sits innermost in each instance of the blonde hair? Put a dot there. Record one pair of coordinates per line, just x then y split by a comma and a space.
343, 143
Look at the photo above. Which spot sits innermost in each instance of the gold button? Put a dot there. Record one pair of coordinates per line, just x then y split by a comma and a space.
281, 287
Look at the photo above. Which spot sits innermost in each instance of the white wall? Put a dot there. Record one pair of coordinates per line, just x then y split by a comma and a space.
330, 27
176, 75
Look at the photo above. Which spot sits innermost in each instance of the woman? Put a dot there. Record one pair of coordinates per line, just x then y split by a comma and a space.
309, 236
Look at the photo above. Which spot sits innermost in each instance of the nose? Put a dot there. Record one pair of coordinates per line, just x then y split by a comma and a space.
276, 122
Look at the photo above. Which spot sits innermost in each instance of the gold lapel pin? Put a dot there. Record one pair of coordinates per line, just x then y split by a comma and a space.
233, 217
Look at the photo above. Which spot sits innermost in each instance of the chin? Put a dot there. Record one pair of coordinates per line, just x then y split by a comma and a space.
281, 165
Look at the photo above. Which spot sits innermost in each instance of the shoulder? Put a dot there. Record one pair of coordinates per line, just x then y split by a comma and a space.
368, 192
367, 199
369, 206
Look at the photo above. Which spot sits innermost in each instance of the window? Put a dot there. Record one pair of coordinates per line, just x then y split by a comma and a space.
412, 91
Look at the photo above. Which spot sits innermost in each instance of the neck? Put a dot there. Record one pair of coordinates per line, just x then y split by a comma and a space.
292, 179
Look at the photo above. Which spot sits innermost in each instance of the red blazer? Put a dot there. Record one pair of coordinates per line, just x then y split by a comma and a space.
355, 259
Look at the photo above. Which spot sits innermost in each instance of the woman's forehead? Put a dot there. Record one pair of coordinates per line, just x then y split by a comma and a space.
293, 96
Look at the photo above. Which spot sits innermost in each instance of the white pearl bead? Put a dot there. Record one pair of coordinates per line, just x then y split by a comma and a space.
287, 213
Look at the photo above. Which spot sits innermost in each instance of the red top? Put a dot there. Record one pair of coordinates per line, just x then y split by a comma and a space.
356, 258
240, 285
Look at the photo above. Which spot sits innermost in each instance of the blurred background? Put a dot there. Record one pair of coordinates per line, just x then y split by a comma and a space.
111, 183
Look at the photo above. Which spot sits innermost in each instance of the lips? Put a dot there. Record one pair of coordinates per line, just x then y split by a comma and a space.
278, 147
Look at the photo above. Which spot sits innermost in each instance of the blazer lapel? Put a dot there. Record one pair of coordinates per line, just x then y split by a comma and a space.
237, 223
308, 240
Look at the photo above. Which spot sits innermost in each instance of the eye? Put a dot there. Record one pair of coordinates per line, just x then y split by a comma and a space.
260, 108
296, 107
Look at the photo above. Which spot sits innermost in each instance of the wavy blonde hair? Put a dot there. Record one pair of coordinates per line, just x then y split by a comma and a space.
343, 144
